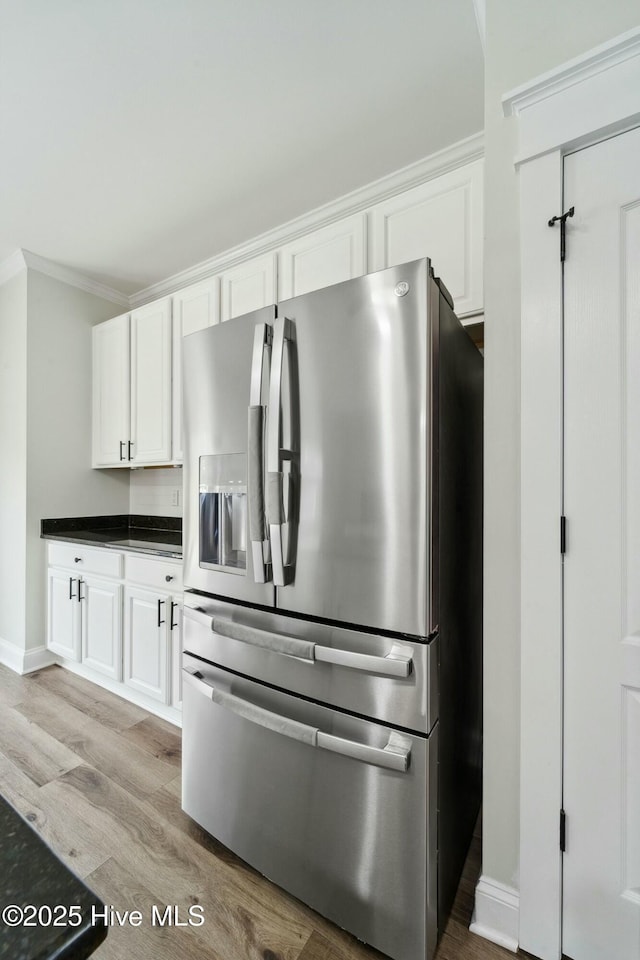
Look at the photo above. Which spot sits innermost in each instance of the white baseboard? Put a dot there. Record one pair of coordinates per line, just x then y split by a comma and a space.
496, 914
11, 656
24, 661
37, 659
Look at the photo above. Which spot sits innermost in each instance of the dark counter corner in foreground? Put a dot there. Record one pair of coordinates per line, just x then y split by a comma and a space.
33, 875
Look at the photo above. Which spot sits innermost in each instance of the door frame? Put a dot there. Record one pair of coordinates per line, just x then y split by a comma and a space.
588, 99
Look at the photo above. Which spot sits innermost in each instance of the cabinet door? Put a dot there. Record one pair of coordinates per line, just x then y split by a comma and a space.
441, 219
63, 620
146, 642
101, 604
151, 383
327, 256
111, 412
193, 309
176, 652
249, 286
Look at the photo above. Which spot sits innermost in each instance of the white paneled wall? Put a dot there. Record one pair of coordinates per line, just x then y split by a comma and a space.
153, 492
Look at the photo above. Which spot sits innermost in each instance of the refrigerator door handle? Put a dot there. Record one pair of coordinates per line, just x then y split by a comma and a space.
394, 756
398, 663
275, 504
255, 461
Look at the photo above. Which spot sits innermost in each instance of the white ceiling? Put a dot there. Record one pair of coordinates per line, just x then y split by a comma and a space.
139, 137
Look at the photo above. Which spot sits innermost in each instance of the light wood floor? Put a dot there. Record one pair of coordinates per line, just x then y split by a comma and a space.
99, 779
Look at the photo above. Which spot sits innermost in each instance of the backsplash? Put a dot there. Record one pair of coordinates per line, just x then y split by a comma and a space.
153, 492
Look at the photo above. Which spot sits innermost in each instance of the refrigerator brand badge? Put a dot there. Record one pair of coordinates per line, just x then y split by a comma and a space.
402, 289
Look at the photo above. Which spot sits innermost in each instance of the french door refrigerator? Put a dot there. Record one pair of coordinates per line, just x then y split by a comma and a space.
332, 566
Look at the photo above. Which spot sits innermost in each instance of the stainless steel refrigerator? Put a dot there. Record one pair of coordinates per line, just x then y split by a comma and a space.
333, 604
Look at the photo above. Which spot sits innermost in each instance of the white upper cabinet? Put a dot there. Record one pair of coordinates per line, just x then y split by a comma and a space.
249, 286
194, 308
334, 253
151, 383
111, 411
441, 219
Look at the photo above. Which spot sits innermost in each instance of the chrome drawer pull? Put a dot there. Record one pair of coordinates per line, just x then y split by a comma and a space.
397, 663
395, 755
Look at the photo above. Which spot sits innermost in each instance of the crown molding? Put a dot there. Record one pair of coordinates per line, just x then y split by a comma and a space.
73, 278
465, 151
589, 98
587, 65
12, 266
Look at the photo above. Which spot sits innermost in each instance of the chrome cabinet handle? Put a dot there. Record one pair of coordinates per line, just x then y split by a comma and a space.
394, 756
275, 504
398, 663
122, 444
255, 463
71, 582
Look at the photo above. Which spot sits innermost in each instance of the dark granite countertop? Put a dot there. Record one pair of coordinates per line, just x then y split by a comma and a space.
158, 535
32, 875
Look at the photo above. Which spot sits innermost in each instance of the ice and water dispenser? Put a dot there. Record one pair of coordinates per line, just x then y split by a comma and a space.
223, 512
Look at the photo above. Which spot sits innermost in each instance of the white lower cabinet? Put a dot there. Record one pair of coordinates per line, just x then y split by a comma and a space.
146, 642
63, 614
101, 615
121, 627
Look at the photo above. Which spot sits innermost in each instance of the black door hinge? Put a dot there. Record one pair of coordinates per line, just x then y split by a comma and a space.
563, 831
562, 220
563, 534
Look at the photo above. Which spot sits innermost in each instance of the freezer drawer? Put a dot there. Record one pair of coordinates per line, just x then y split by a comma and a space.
390, 680
339, 811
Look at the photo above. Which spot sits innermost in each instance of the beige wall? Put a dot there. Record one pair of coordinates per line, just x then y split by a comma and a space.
60, 480
524, 39
13, 457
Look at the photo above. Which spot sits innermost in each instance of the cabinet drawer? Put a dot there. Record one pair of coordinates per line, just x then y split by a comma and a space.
161, 574
107, 563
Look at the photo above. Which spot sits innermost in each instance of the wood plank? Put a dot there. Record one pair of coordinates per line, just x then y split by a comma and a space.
126, 764
319, 947
245, 917
13, 686
123, 890
34, 751
161, 739
94, 701
75, 843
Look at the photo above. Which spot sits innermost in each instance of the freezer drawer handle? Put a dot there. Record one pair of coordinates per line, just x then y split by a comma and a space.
255, 447
397, 663
276, 642
394, 756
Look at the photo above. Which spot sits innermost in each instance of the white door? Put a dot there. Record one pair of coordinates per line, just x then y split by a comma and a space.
324, 257
146, 642
63, 617
601, 865
101, 604
111, 419
193, 309
249, 286
151, 382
